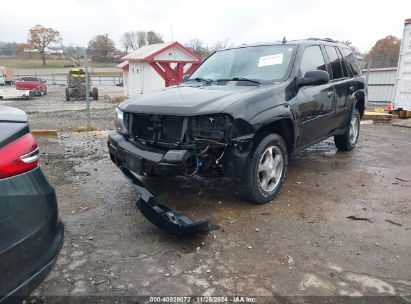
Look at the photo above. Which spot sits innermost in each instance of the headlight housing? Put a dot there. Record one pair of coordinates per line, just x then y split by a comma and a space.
214, 126
119, 122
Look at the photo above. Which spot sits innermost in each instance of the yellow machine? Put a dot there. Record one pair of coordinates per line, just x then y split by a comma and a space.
76, 85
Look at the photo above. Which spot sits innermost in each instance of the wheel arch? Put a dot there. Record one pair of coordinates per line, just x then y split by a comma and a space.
281, 120
281, 126
360, 102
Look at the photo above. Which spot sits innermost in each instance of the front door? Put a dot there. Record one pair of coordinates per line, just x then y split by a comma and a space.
316, 104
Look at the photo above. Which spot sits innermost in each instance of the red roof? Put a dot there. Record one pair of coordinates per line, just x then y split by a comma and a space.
149, 52
123, 65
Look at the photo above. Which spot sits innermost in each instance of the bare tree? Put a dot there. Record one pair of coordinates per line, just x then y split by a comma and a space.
352, 47
219, 45
41, 37
130, 41
141, 38
197, 46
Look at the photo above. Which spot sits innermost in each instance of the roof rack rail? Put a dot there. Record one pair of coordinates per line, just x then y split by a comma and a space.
323, 39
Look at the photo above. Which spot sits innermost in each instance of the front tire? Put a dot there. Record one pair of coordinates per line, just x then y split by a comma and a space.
348, 140
266, 170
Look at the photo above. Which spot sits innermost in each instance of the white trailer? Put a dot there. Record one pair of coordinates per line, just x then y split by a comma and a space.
402, 88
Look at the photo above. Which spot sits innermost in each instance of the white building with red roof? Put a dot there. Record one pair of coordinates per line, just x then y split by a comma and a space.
153, 67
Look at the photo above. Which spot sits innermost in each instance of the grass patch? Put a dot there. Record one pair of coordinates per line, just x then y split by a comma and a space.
32, 63
93, 127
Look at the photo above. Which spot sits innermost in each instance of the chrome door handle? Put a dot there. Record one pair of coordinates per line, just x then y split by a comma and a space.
330, 94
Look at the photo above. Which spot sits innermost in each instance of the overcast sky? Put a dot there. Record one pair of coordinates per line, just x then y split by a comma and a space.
362, 22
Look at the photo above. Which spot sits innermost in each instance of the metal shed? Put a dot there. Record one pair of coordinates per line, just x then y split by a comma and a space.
381, 84
153, 67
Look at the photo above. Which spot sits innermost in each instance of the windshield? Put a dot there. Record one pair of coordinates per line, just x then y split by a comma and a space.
266, 63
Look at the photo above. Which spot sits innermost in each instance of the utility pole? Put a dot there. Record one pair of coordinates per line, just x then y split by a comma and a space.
87, 92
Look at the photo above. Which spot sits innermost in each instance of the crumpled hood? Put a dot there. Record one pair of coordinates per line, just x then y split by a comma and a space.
188, 100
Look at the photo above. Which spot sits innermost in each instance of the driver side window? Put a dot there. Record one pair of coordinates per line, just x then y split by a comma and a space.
312, 60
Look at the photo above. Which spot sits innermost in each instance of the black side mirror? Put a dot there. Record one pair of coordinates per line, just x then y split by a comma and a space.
185, 77
314, 78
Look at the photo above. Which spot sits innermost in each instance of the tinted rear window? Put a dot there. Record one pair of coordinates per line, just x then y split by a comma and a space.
335, 62
346, 73
352, 61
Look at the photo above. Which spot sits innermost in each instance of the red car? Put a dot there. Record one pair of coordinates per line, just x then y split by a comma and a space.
36, 84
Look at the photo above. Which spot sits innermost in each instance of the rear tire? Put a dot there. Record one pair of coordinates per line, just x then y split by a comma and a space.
348, 140
30, 97
266, 170
95, 94
67, 94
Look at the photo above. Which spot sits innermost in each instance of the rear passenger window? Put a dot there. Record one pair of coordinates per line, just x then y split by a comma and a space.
312, 60
335, 62
352, 61
346, 73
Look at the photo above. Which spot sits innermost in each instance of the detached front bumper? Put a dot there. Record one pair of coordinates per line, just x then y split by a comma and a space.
168, 220
144, 160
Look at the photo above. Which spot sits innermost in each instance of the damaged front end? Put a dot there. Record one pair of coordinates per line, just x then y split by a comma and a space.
163, 145
196, 143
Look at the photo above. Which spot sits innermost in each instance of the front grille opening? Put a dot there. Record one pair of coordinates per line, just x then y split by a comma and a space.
161, 128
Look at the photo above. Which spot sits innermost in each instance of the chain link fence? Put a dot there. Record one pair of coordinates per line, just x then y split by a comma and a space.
49, 109
99, 78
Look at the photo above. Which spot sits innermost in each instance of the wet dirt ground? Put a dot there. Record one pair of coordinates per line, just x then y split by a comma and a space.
300, 244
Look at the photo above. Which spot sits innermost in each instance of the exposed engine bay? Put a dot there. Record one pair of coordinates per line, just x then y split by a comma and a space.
200, 142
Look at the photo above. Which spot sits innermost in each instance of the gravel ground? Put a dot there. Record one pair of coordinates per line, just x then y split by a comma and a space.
302, 244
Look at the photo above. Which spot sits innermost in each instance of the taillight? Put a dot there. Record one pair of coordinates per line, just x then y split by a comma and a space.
19, 156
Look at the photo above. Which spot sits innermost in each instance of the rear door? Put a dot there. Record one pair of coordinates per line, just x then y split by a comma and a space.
354, 69
343, 86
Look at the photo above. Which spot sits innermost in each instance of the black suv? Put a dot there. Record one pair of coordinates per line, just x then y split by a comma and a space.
243, 113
